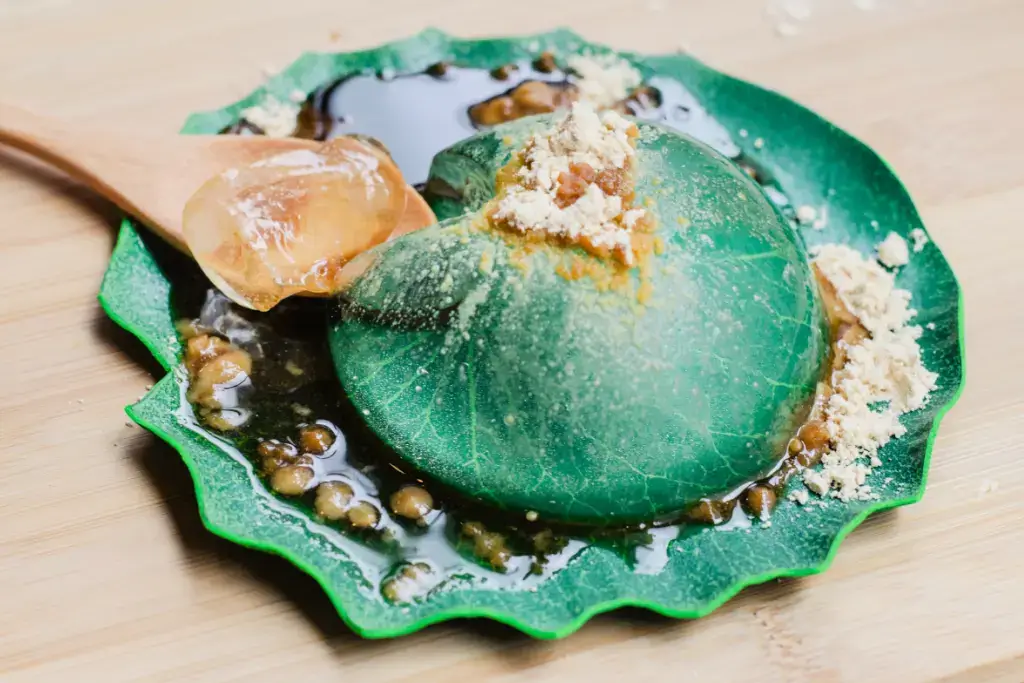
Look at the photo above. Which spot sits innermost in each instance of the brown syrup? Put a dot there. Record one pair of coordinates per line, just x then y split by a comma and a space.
417, 115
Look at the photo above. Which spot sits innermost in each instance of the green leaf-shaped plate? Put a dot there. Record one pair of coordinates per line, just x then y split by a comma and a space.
812, 161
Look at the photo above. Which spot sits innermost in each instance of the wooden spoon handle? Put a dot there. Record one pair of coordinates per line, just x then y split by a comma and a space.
114, 167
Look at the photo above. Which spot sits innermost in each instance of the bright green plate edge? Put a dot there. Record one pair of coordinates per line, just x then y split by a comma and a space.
142, 309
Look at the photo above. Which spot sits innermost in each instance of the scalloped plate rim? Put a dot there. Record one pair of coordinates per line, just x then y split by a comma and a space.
239, 536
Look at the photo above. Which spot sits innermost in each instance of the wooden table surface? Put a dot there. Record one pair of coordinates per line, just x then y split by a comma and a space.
106, 573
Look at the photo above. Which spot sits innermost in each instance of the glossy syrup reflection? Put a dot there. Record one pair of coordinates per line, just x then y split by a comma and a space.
417, 115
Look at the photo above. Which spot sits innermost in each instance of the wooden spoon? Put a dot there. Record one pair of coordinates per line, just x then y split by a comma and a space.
153, 178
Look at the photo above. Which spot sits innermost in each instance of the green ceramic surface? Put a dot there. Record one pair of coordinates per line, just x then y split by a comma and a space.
532, 392
814, 162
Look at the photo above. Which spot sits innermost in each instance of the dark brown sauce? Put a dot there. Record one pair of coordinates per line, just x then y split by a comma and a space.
417, 115
292, 385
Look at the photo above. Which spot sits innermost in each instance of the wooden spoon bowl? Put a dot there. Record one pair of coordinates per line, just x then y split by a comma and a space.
153, 178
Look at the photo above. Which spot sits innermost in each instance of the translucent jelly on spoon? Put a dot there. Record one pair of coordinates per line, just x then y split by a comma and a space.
287, 224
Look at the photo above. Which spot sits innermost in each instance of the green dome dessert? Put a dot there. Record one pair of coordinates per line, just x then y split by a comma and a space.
582, 382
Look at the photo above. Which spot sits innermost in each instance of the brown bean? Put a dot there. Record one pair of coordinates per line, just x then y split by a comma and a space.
493, 111
363, 515
438, 69
535, 97
223, 420
187, 329
504, 72
545, 62
315, 439
760, 501
814, 435
393, 590
277, 449
412, 502
291, 480
272, 463
545, 542
225, 368
709, 511
332, 499
407, 583
472, 529
490, 546
203, 348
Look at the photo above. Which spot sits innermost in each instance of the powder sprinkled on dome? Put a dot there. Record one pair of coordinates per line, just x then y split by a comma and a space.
574, 183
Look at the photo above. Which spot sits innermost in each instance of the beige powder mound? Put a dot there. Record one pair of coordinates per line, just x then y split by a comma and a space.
885, 368
893, 251
582, 136
604, 79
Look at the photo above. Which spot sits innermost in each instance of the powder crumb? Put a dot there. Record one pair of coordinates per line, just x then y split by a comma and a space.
301, 410
867, 289
277, 119
758, 143
930, 326
293, 369
604, 79
583, 136
821, 221
893, 251
882, 379
919, 238
806, 214
818, 482
531, 516
800, 497
297, 96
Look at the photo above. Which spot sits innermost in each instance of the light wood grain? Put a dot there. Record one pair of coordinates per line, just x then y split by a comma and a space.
105, 571
148, 176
